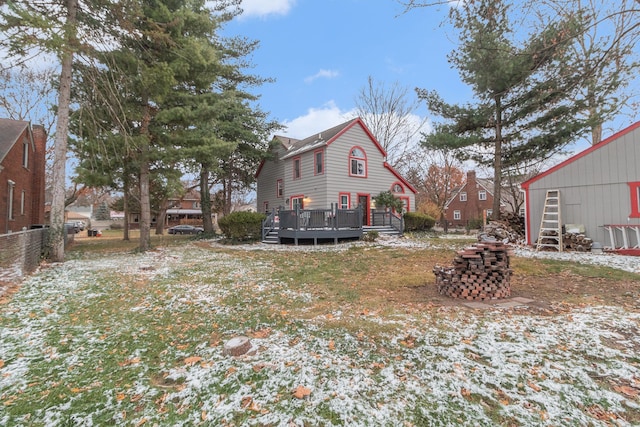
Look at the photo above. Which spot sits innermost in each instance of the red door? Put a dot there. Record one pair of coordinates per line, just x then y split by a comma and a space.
364, 200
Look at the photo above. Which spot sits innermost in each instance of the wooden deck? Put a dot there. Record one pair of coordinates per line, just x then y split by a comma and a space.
323, 225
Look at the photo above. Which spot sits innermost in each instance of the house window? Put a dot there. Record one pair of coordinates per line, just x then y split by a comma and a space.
279, 189
397, 188
318, 160
456, 215
10, 199
23, 196
521, 211
357, 162
463, 197
266, 207
25, 154
635, 199
297, 173
489, 213
344, 200
406, 202
297, 202
195, 205
482, 195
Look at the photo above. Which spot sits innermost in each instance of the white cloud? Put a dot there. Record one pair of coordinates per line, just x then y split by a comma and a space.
262, 8
326, 74
316, 120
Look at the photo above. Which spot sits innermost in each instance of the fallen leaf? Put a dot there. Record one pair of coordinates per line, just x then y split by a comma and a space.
332, 345
262, 333
534, 386
230, 371
141, 422
192, 360
1, 363
465, 392
246, 401
120, 396
626, 390
301, 392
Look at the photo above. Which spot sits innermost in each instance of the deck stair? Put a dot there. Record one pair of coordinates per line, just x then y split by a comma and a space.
381, 229
272, 237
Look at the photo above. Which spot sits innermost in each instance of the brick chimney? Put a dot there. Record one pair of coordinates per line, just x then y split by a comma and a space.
38, 183
473, 209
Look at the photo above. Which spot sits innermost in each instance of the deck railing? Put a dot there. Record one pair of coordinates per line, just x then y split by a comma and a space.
269, 223
315, 219
387, 218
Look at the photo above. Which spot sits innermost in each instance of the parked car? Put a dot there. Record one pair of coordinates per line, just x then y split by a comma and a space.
79, 223
185, 229
71, 228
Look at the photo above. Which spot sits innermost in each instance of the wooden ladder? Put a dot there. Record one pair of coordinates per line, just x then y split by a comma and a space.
551, 223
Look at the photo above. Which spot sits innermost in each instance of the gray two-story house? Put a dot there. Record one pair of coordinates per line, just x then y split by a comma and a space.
344, 166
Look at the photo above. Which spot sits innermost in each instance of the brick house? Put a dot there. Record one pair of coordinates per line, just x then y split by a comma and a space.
470, 202
22, 175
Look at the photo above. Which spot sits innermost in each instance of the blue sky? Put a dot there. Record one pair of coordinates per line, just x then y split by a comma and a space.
321, 52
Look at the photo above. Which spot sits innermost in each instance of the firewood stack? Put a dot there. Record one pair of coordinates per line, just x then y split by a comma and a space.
510, 228
479, 272
572, 242
576, 242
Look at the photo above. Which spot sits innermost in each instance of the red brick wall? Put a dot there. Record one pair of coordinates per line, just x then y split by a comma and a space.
29, 180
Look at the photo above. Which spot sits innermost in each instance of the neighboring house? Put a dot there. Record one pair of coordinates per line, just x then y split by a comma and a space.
185, 210
22, 179
470, 202
343, 166
599, 187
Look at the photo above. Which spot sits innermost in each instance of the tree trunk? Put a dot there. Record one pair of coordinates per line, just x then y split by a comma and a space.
57, 230
145, 197
205, 199
125, 202
497, 162
162, 214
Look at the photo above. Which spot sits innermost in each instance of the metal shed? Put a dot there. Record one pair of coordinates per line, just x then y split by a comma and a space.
599, 188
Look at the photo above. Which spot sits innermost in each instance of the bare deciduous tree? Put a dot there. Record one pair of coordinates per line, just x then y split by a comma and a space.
604, 54
391, 116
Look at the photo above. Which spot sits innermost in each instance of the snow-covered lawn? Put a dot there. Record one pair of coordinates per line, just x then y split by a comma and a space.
137, 339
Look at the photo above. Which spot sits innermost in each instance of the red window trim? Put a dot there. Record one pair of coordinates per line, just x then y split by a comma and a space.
297, 158
407, 201
348, 200
401, 186
297, 196
315, 164
279, 189
634, 188
364, 159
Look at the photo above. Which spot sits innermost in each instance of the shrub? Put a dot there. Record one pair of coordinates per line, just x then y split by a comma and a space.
415, 221
474, 224
370, 236
242, 225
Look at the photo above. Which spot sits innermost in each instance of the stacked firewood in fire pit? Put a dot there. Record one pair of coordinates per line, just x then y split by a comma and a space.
479, 272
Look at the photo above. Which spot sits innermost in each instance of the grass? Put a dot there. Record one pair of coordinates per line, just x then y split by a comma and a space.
115, 337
